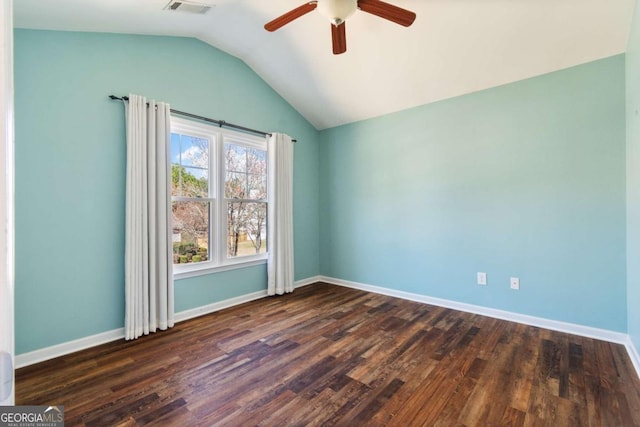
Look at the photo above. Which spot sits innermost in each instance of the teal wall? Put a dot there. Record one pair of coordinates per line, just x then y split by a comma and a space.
526, 180
633, 180
70, 171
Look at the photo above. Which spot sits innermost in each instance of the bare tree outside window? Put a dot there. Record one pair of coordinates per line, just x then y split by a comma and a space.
246, 194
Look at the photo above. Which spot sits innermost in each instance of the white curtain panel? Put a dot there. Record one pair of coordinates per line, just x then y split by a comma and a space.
149, 302
280, 214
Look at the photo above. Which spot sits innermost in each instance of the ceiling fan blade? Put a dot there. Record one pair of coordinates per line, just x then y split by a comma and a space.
339, 38
387, 11
290, 16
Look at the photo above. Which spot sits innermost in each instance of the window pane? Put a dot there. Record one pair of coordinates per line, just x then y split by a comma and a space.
235, 158
246, 173
235, 185
189, 182
189, 166
257, 187
195, 182
190, 232
256, 161
257, 170
194, 151
246, 228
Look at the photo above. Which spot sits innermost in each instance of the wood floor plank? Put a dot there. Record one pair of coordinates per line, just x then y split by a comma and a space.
331, 356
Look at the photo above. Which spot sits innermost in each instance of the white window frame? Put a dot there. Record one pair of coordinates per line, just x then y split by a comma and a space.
217, 252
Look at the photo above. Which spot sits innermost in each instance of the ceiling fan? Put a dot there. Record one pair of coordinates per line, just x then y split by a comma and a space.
337, 11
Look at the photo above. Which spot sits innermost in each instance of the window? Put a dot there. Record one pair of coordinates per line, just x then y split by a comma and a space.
218, 197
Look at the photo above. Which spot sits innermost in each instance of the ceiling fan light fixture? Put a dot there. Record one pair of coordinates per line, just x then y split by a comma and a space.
337, 11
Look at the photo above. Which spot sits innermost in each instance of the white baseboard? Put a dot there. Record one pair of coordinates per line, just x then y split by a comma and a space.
571, 328
68, 347
307, 281
217, 306
40, 355
633, 355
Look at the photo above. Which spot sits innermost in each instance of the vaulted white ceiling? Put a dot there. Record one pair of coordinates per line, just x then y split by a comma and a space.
454, 47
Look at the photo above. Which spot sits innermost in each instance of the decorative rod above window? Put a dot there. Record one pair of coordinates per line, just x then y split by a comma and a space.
220, 123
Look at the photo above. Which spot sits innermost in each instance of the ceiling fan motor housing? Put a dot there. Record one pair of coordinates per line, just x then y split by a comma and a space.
337, 11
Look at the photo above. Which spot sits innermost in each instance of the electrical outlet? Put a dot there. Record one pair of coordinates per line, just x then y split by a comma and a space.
482, 279
515, 283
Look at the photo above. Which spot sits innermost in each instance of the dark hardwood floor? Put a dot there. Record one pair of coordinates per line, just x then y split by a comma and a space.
327, 355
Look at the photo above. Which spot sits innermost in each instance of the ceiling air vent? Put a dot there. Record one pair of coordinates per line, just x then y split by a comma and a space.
189, 6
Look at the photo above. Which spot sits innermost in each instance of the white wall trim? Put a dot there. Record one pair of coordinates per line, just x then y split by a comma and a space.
47, 353
633, 355
556, 325
307, 281
217, 306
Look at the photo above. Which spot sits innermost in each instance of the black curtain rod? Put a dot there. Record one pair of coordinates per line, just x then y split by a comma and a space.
219, 123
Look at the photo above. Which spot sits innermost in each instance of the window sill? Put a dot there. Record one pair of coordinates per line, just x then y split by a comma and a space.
195, 271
